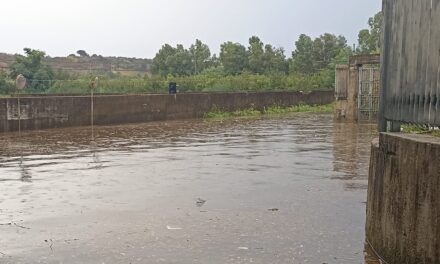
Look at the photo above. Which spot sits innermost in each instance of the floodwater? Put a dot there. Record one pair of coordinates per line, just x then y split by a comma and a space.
286, 189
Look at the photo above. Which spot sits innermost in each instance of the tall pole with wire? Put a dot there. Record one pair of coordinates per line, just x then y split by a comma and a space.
93, 86
19, 112
20, 83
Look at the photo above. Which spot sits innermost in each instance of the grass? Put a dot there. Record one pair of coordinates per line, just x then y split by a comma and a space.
301, 108
413, 129
273, 110
218, 114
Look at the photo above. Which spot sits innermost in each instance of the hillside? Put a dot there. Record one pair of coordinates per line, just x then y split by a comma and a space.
93, 64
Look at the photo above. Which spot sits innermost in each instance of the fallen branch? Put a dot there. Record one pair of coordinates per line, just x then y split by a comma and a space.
17, 225
51, 243
70, 240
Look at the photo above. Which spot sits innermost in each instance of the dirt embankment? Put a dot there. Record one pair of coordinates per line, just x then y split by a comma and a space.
95, 63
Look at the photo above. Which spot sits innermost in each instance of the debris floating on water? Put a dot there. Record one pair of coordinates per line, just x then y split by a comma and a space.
200, 202
173, 228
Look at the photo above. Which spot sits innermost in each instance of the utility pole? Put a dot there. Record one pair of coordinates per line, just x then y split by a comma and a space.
20, 83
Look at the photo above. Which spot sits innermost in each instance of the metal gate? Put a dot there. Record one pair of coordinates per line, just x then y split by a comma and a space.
368, 99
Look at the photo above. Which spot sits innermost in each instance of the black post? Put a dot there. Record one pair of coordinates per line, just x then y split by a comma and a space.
172, 88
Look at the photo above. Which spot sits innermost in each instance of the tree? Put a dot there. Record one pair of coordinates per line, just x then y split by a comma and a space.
201, 56
6, 86
312, 56
214, 61
82, 53
326, 48
265, 59
302, 56
180, 63
274, 60
233, 57
342, 58
370, 39
256, 55
328, 74
175, 61
159, 65
33, 69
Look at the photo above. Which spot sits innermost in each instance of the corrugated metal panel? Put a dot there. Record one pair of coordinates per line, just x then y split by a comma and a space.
411, 62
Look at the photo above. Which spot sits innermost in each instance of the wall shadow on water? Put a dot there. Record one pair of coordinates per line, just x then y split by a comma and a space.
302, 176
351, 152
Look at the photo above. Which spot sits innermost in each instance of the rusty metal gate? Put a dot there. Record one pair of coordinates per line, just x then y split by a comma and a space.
368, 98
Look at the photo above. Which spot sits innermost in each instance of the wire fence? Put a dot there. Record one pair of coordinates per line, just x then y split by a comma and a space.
197, 83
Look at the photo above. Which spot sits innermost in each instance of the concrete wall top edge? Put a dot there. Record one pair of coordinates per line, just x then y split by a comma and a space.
425, 139
158, 94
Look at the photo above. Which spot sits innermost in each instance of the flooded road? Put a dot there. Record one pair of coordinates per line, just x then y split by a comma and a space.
289, 189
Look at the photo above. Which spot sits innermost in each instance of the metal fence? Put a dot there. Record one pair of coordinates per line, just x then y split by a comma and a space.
410, 64
368, 97
197, 83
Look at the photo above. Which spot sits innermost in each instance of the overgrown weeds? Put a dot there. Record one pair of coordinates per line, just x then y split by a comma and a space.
272, 110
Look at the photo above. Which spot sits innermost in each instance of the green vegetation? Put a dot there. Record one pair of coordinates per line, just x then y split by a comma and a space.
301, 108
255, 67
218, 114
6, 84
369, 39
414, 129
206, 82
33, 69
273, 110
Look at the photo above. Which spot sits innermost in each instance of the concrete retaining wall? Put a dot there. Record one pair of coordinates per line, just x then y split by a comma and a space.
347, 78
41, 112
403, 210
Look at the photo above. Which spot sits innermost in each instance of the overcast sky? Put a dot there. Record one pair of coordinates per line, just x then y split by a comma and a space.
138, 28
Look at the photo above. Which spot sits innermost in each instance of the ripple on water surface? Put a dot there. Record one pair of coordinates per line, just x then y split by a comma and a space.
289, 189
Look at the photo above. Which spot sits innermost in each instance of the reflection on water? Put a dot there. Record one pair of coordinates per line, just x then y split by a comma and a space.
351, 149
288, 189
25, 172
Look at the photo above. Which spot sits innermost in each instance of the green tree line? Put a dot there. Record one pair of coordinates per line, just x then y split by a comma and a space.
254, 66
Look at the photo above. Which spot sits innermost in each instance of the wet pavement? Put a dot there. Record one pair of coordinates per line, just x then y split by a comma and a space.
287, 189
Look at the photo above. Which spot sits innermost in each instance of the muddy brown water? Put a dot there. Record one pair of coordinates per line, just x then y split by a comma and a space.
281, 189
